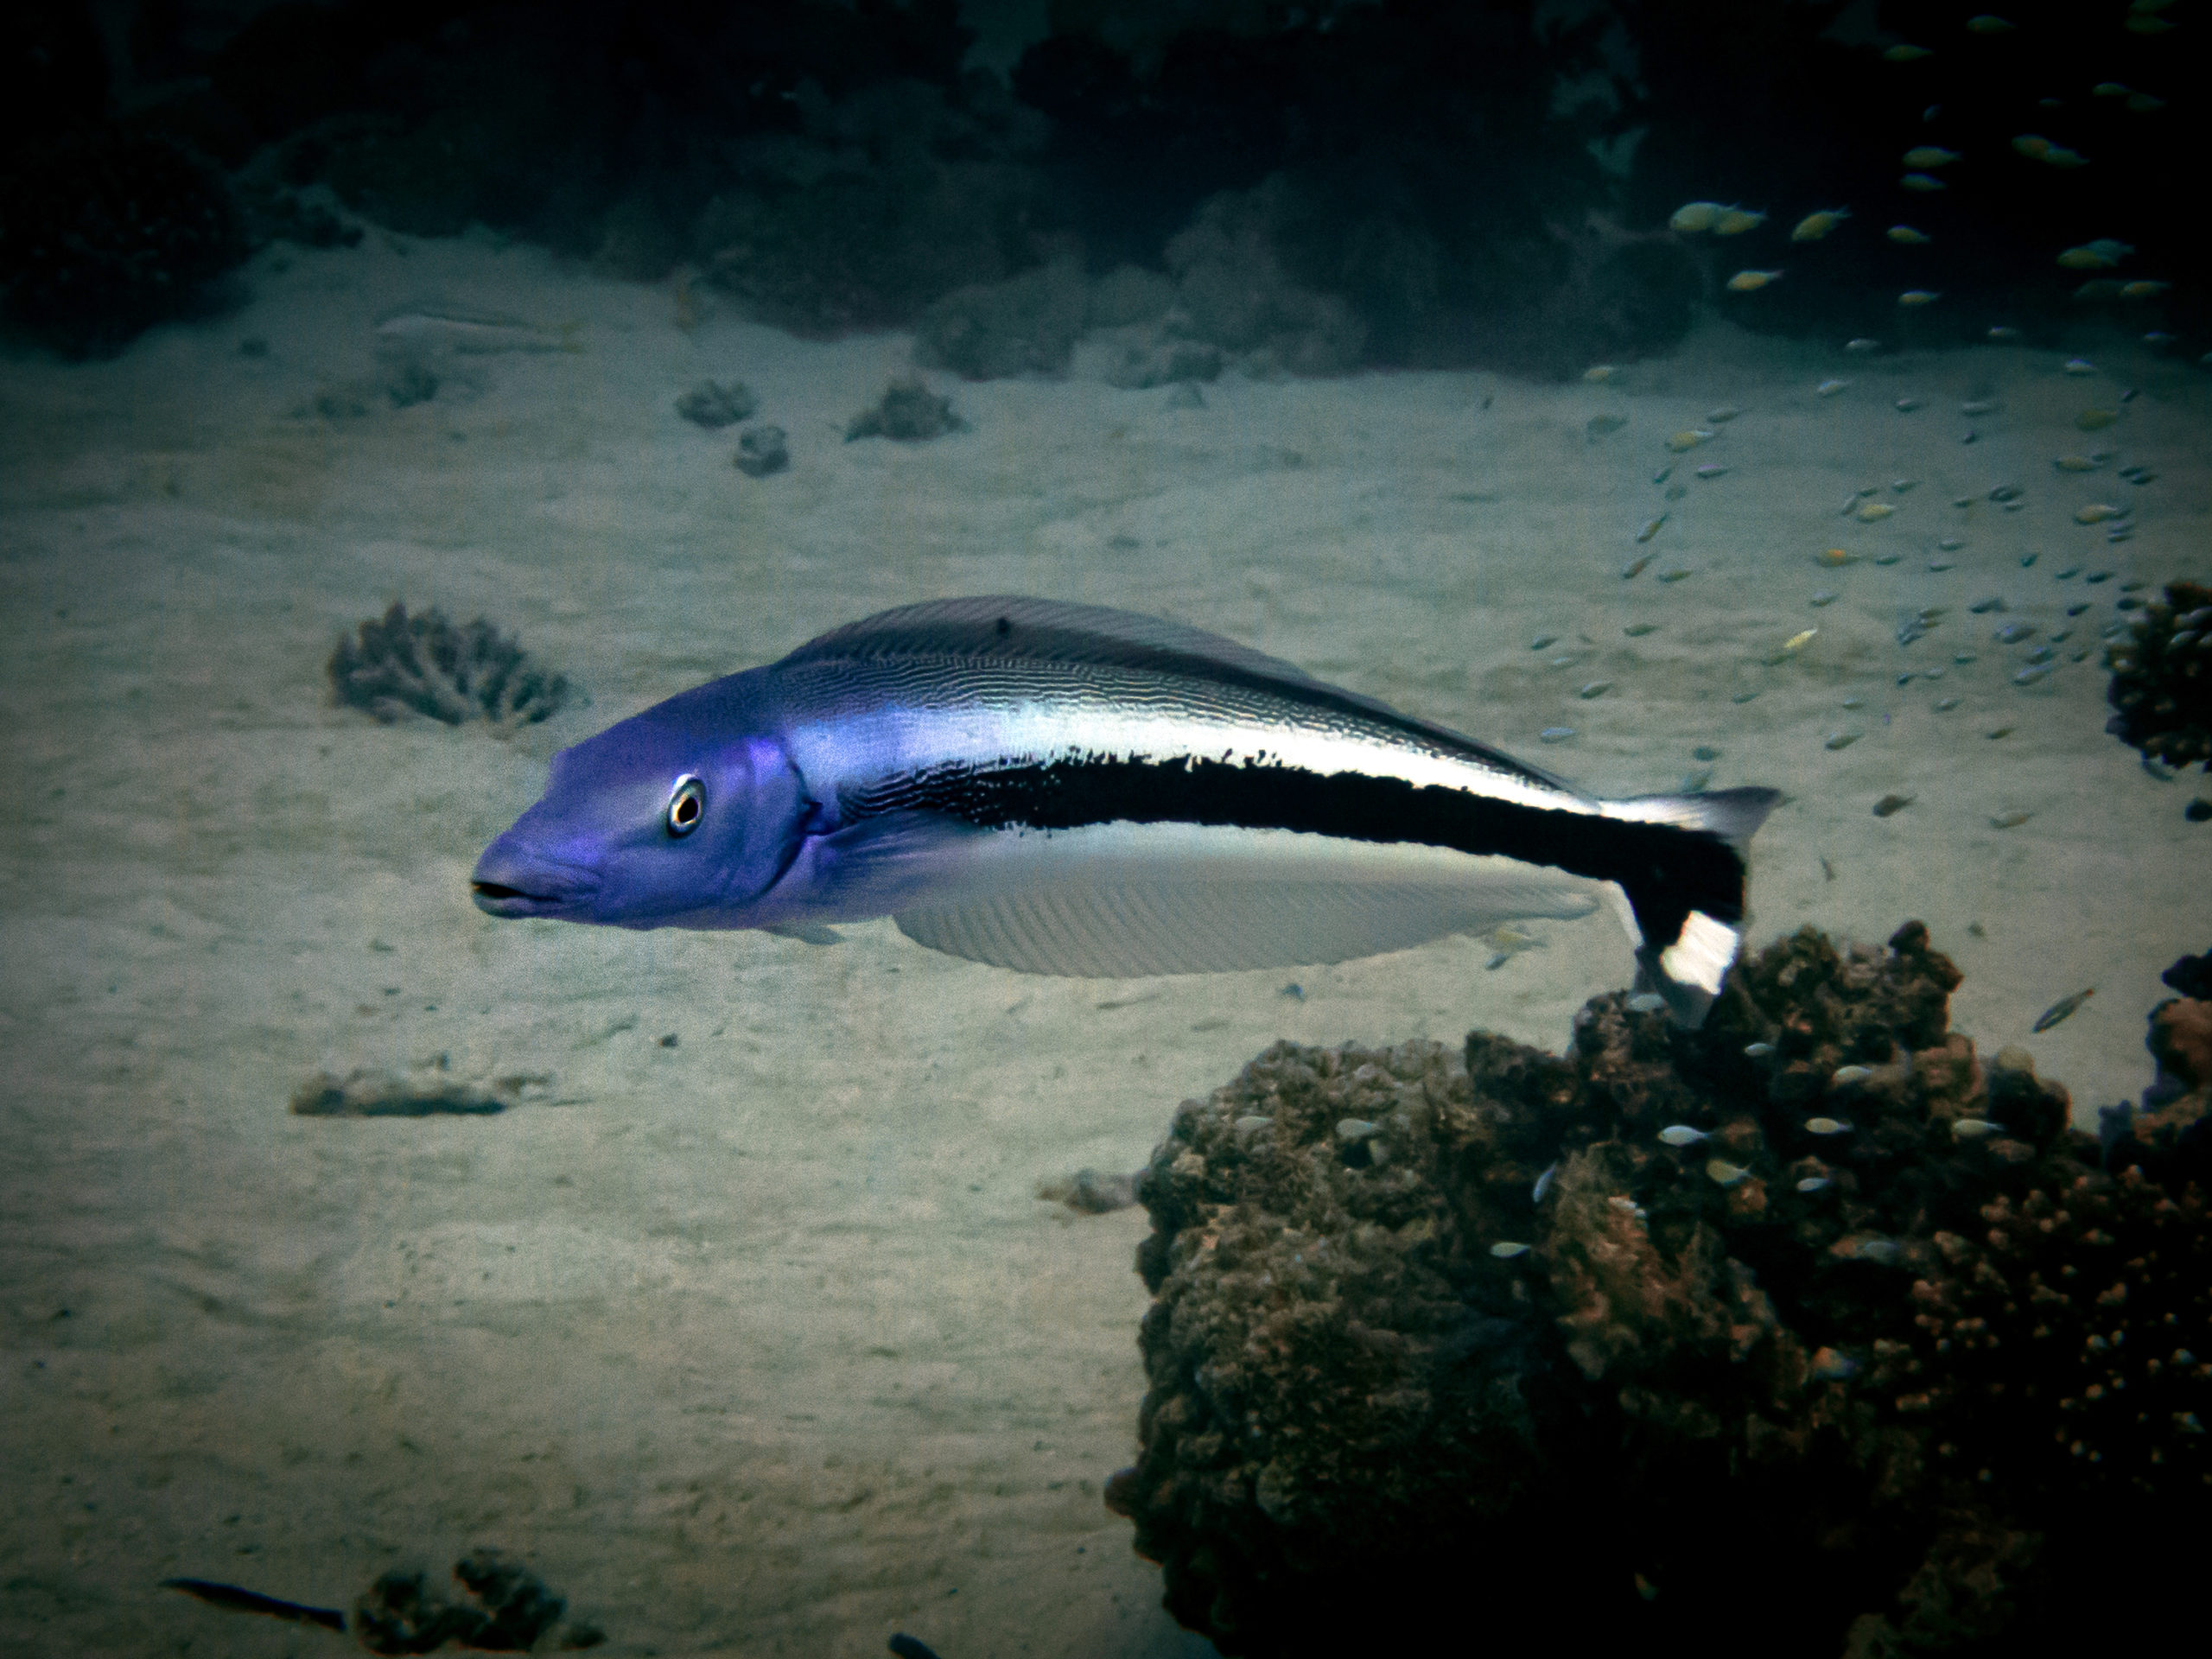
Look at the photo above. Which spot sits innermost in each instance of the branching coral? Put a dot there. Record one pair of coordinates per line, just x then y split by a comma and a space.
424, 664
1805, 1331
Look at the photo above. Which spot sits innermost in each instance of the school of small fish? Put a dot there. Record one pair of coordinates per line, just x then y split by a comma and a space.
1939, 166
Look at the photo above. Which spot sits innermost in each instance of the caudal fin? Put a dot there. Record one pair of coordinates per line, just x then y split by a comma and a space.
1687, 890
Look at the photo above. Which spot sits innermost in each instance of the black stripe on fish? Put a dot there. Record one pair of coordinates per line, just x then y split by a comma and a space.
1666, 870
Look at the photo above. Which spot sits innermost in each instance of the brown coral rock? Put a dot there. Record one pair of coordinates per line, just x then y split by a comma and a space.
1433, 1332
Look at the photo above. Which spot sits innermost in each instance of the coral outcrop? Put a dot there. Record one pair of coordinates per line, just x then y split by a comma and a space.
2162, 678
423, 664
105, 232
1812, 1332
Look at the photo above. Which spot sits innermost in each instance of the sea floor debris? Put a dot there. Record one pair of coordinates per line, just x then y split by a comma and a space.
1920, 1370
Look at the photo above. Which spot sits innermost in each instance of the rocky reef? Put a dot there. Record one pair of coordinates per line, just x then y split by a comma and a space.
1811, 1331
105, 232
400, 665
2161, 687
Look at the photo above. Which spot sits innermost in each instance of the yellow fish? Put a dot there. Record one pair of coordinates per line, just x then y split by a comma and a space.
1929, 155
2059, 155
1813, 227
1989, 23
1750, 282
2088, 257
2109, 89
1734, 221
1923, 182
1904, 52
2033, 145
1907, 235
1598, 373
1694, 216
2143, 290
1799, 641
1918, 297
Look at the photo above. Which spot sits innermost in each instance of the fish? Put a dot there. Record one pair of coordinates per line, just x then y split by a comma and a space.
2060, 1009
1862, 343
1681, 1134
1907, 235
1750, 282
1543, 1184
1829, 387
2143, 290
1918, 297
1923, 183
1695, 216
1813, 1184
2059, 155
1905, 52
1734, 221
2110, 89
2033, 145
1505, 1249
1828, 1125
237, 1601
1066, 788
1989, 22
1973, 1128
472, 332
1721, 1173
1813, 227
1926, 158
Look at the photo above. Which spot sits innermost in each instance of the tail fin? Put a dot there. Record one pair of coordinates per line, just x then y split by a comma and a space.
1688, 894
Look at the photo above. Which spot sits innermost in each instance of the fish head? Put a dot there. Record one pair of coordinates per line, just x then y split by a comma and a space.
679, 816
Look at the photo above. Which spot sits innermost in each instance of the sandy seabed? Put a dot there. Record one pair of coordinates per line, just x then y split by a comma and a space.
748, 1331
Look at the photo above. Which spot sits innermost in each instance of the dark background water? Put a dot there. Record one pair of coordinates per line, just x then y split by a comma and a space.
1326, 185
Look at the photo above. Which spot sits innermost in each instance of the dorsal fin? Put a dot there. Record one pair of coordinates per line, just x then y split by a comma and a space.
1011, 629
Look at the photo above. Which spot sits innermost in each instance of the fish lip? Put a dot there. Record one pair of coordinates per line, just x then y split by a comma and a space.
529, 887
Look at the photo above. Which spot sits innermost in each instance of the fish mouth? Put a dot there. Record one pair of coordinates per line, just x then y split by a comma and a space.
515, 889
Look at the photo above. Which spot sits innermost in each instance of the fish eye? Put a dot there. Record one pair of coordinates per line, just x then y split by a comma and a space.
686, 803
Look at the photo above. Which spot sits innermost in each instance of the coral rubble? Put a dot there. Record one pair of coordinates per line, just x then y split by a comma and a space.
1807, 1332
424, 664
910, 412
2162, 678
713, 403
507, 1608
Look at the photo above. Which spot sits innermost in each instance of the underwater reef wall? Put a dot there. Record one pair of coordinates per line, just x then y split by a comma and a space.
1808, 1333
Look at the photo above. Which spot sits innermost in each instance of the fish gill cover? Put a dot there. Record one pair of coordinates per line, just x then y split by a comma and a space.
1883, 1359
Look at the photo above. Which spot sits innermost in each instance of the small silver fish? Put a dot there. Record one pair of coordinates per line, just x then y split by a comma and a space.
2059, 1010
1681, 1134
1973, 1128
1828, 1125
1724, 1173
1505, 1249
1758, 1051
1850, 1074
1543, 1184
1813, 1184
1064, 789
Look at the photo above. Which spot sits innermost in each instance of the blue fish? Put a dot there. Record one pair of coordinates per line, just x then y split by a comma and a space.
1064, 789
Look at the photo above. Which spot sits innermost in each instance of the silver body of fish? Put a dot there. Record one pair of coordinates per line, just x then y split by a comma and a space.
1064, 789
